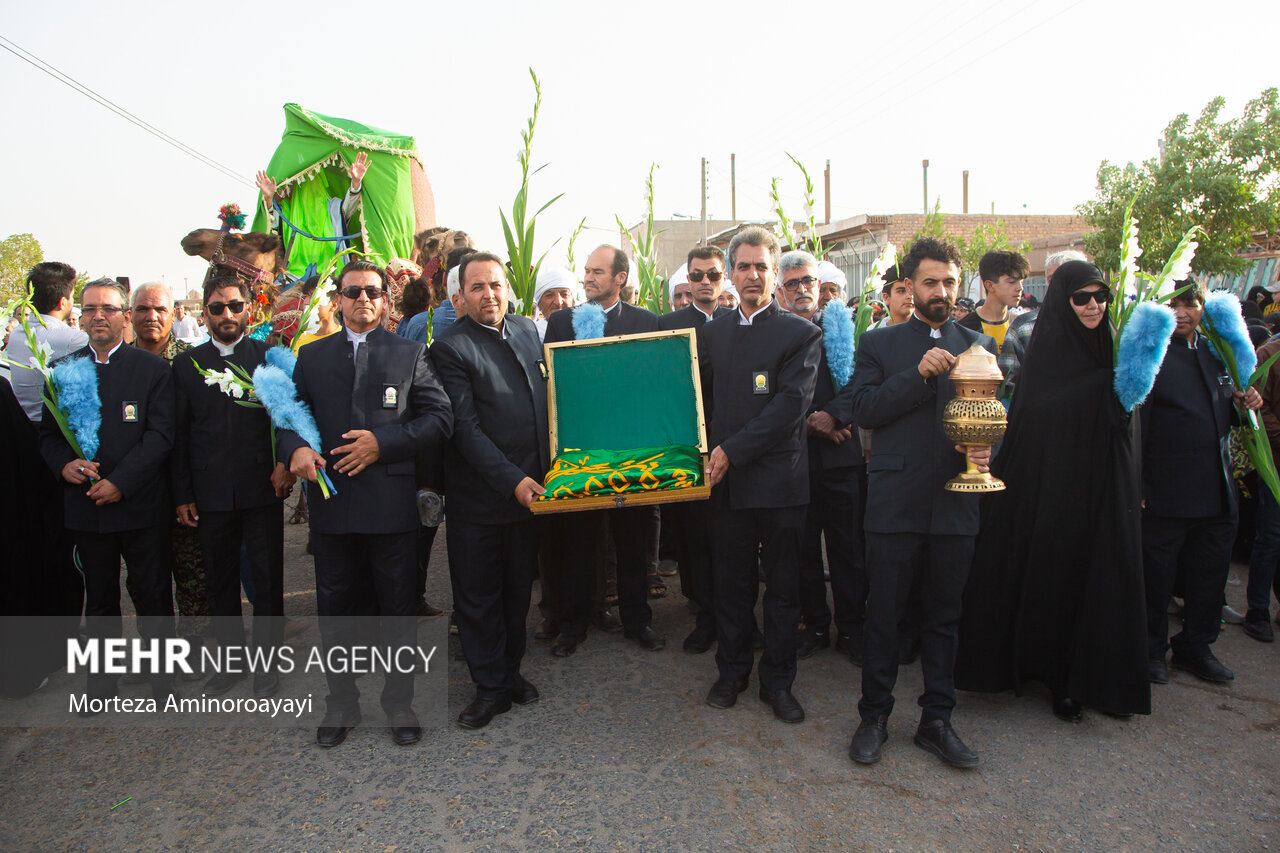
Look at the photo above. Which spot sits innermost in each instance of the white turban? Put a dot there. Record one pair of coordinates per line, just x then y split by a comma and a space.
829, 273
730, 289
552, 279
681, 276
451, 283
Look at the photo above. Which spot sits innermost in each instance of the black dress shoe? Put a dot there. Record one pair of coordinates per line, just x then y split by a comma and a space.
1257, 624
938, 737
647, 638
566, 645
724, 693
522, 691
867, 740
785, 706
1157, 671
482, 710
850, 647
548, 629
810, 642
335, 726
222, 682
1207, 668
700, 640
265, 684
606, 621
405, 728
1068, 710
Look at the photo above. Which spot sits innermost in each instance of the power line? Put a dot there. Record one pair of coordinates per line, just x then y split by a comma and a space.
69, 81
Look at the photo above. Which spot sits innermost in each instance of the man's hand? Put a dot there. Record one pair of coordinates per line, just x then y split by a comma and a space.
936, 361
717, 466
187, 515
282, 480
527, 490
267, 186
979, 456
79, 471
303, 462
1250, 399
104, 492
359, 454
358, 168
821, 423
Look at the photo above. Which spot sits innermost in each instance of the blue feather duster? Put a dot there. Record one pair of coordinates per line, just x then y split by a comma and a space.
1222, 310
588, 322
1143, 343
279, 397
283, 358
77, 383
837, 340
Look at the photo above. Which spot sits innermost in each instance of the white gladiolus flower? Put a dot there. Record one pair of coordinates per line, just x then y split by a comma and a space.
211, 379
237, 391
39, 365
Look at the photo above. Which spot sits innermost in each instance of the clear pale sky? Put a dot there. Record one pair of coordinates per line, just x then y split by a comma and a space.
1028, 96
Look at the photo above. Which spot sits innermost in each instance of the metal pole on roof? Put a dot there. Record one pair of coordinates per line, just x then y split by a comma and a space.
704, 201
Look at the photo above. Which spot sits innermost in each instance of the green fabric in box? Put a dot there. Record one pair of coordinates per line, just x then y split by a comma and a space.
590, 473
627, 394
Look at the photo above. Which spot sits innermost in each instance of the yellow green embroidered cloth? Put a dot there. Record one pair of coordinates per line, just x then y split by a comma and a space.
594, 473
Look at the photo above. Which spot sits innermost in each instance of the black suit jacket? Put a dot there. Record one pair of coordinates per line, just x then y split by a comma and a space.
689, 317
131, 454
623, 319
911, 457
823, 452
1191, 398
763, 434
499, 394
381, 498
222, 451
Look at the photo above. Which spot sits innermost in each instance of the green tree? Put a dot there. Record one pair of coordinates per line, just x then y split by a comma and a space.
1219, 174
18, 254
986, 237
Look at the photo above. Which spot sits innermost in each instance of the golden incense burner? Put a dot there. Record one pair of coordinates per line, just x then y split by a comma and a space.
974, 417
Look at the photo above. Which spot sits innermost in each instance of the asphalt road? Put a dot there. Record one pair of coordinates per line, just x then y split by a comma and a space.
622, 754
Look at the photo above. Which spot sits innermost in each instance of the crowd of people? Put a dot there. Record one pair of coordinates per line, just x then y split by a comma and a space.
819, 474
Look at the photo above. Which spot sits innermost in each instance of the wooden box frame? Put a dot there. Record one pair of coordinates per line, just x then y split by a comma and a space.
625, 499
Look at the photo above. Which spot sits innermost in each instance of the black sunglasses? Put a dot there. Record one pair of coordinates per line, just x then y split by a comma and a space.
1081, 297
712, 276
353, 292
797, 283
215, 308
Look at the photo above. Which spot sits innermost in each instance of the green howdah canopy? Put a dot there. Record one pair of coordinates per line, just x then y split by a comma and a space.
311, 166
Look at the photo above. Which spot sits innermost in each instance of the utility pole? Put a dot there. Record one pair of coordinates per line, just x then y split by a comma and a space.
733, 187
704, 201
965, 208
924, 164
826, 182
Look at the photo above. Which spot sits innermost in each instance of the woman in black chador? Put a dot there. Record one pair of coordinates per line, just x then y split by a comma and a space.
1056, 592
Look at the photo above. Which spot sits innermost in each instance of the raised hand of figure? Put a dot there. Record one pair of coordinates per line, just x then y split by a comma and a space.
358, 168
267, 186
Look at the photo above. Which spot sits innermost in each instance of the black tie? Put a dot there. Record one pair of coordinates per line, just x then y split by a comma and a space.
358, 390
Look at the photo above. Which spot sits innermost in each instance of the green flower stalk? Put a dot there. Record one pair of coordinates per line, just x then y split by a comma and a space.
651, 286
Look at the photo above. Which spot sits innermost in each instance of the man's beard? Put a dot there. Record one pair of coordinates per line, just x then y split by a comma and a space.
936, 310
223, 337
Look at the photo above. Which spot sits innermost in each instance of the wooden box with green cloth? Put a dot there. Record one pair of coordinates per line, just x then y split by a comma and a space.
626, 422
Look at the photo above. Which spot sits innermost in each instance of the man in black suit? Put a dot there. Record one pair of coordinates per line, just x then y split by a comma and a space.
759, 364
490, 363
836, 471
913, 525
1189, 510
692, 519
605, 272
225, 484
378, 404
117, 506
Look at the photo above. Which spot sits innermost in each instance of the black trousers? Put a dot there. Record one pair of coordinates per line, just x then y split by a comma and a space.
940, 564
1202, 547
360, 578
492, 568
776, 535
425, 539
693, 532
584, 535
262, 530
835, 512
147, 553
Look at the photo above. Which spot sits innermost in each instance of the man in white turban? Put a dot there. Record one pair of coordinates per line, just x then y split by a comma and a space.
679, 289
553, 291
832, 283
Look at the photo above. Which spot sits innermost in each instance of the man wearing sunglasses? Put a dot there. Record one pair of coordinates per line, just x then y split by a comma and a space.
692, 519
378, 404
117, 504
836, 470
226, 488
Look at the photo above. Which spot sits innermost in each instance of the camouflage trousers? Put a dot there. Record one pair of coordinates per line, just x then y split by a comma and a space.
188, 583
